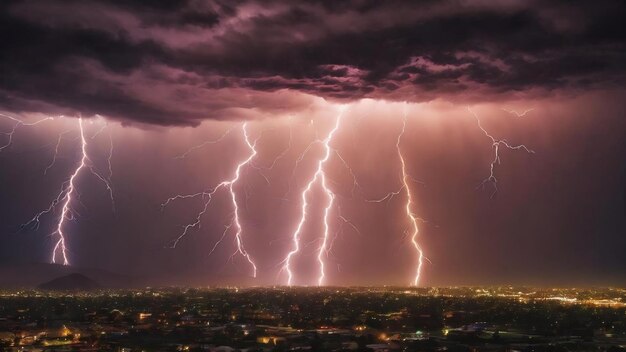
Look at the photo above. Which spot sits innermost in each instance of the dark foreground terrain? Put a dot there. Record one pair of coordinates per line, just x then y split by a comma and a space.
317, 319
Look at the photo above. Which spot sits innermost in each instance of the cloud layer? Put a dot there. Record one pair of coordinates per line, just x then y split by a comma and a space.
179, 62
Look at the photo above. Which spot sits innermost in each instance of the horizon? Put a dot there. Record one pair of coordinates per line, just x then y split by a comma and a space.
215, 284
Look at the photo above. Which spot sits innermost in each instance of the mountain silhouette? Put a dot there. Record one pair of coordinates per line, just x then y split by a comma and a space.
71, 282
30, 275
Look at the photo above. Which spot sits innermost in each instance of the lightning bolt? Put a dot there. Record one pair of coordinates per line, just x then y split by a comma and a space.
110, 156
344, 221
110, 164
516, 113
56, 152
409, 203
318, 176
262, 169
17, 124
66, 197
496, 144
66, 213
207, 196
209, 142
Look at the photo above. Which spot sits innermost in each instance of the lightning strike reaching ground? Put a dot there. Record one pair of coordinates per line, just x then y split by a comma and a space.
318, 176
66, 213
495, 144
67, 196
409, 204
208, 195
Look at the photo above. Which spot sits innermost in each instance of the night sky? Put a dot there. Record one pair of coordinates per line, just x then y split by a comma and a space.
153, 80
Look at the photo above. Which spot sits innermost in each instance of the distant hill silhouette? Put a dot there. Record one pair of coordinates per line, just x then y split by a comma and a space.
30, 275
71, 282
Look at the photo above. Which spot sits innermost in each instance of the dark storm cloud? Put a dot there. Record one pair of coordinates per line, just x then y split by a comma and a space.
178, 62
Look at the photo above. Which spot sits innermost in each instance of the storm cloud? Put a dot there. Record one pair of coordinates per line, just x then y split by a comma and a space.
179, 62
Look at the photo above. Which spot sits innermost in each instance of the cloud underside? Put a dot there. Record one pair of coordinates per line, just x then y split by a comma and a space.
179, 62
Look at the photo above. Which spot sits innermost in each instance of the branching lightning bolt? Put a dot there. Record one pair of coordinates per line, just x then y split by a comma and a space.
318, 176
281, 155
66, 212
212, 141
496, 144
66, 197
56, 152
516, 113
17, 124
208, 195
344, 221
